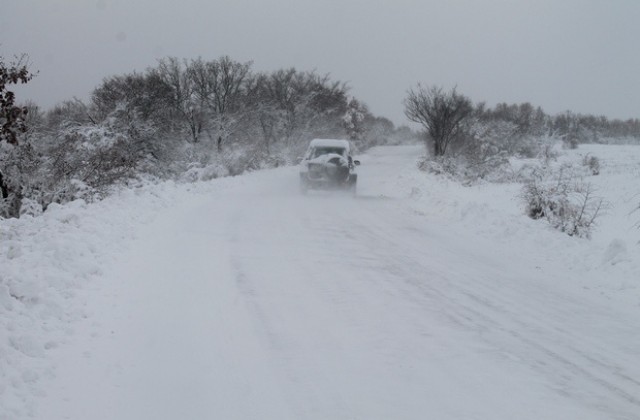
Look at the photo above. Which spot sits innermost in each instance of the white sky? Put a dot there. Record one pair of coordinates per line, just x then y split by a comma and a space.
578, 55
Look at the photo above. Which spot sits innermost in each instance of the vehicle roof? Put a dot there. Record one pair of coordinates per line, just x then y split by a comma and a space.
330, 143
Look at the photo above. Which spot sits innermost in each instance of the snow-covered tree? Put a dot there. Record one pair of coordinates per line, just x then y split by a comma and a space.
12, 123
442, 114
293, 106
219, 87
354, 120
182, 100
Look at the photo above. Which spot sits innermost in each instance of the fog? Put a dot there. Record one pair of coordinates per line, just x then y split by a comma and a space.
576, 55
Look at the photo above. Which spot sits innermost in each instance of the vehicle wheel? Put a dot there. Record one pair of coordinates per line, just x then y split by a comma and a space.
353, 182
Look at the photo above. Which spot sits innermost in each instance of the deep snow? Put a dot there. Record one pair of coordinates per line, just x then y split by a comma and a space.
239, 298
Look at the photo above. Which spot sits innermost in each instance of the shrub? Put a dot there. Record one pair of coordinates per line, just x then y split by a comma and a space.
567, 203
592, 163
547, 153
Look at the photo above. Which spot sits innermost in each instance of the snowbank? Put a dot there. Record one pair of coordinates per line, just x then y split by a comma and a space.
608, 263
47, 265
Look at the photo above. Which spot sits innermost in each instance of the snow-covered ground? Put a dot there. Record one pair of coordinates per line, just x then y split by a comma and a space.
240, 299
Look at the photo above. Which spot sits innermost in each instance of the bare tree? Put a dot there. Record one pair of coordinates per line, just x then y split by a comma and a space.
183, 98
218, 86
442, 114
267, 117
287, 107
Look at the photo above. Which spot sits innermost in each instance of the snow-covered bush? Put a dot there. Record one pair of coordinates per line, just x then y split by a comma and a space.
96, 156
547, 152
565, 201
354, 118
592, 163
197, 172
30, 207
480, 153
468, 172
78, 162
21, 163
446, 166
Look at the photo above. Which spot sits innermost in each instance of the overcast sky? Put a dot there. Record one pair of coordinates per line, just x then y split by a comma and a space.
578, 55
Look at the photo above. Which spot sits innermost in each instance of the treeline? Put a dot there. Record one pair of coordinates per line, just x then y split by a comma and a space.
201, 119
572, 128
473, 141
182, 119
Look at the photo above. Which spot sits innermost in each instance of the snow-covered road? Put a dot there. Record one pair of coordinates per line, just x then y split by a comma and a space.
258, 303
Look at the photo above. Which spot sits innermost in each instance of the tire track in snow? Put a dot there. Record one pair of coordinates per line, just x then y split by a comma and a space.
484, 310
268, 323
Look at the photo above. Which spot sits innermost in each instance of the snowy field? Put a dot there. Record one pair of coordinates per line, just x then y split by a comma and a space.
241, 299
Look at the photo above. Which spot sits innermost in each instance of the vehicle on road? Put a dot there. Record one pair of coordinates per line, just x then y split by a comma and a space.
328, 165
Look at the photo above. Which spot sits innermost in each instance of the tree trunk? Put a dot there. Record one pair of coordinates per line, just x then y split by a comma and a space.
13, 197
437, 148
4, 190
